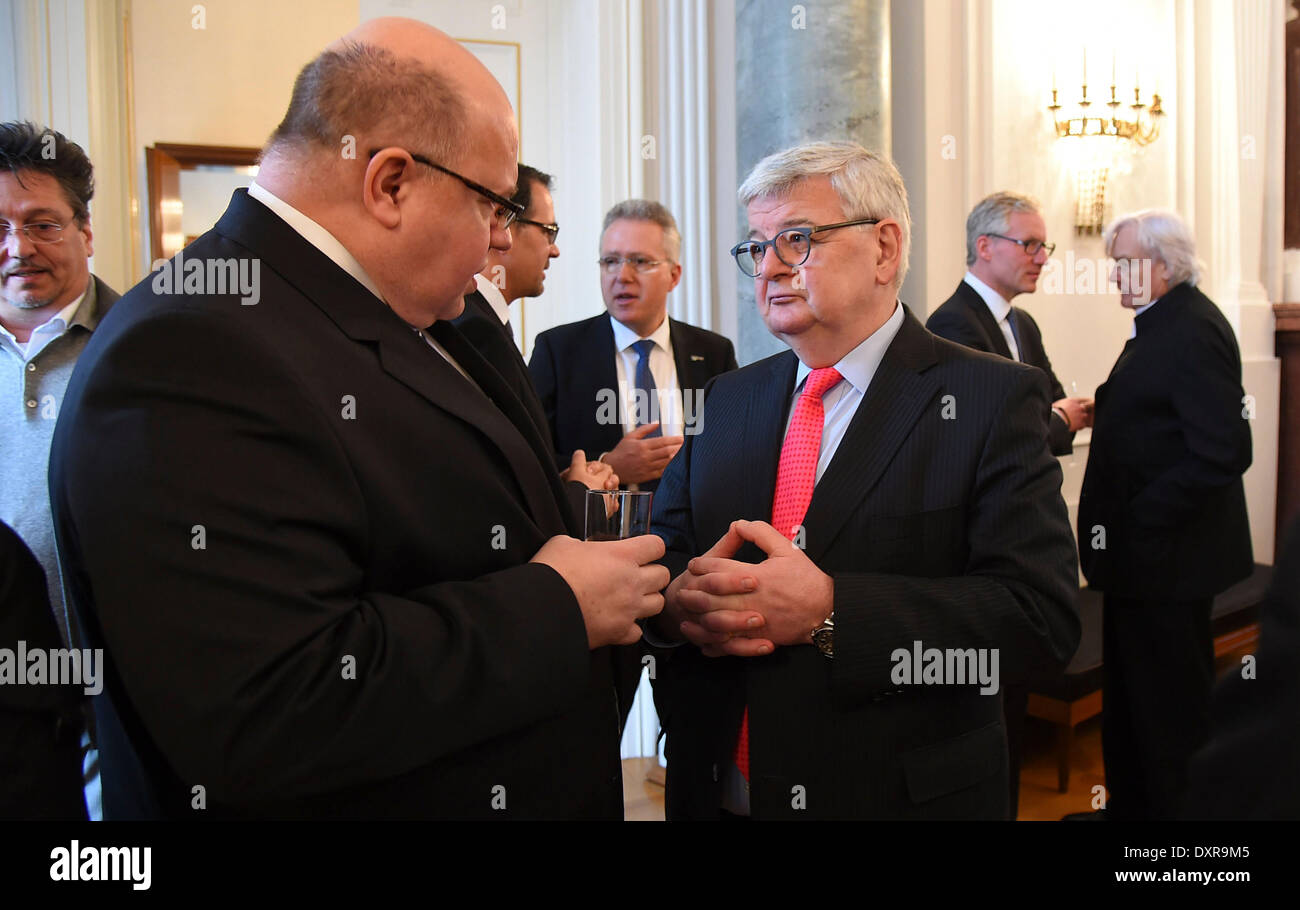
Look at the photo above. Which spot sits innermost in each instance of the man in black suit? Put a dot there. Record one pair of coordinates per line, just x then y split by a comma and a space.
1162, 513
1006, 250
587, 372
318, 536
511, 274
913, 478
40, 725
1247, 769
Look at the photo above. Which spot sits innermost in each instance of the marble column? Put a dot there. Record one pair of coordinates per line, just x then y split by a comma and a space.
805, 71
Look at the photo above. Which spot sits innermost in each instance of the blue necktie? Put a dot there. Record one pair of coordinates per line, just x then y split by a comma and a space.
645, 384
1015, 332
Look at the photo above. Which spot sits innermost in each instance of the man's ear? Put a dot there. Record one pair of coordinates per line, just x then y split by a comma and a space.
676, 274
89, 237
889, 237
982, 244
385, 185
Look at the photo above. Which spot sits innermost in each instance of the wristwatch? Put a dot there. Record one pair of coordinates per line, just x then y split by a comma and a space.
823, 637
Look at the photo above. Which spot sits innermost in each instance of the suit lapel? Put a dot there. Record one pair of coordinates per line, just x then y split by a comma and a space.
493, 339
996, 339
402, 353
763, 432
535, 473
599, 366
898, 395
692, 365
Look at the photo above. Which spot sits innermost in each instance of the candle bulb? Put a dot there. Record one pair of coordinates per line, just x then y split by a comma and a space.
1112, 69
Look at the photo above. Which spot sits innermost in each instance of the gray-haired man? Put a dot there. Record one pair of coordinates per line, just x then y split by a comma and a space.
925, 514
1006, 250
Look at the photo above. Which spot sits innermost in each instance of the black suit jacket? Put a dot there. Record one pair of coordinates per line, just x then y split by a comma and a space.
480, 324
573, 363
965, 318
1247, 770
1162, 512
40, 725
303, 539
950, 531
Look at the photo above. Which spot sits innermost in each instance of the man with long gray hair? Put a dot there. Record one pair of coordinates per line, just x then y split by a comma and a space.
1162, 513
873, 502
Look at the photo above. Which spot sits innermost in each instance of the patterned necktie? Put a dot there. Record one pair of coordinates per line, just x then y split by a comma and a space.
796, 474
1015, 333
645, 386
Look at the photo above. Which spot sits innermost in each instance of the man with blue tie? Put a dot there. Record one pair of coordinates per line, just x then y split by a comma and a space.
1006, 251
623, 386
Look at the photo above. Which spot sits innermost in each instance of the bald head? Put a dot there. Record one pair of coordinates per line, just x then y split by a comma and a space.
387, 82
375, 124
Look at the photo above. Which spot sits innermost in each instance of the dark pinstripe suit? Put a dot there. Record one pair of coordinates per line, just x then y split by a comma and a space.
949, 530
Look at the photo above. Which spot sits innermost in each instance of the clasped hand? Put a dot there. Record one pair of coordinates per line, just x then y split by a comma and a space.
741, 609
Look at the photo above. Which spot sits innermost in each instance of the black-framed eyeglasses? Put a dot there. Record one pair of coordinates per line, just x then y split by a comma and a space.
1031, 247
506, 211
793, 245
550, 230
612, 265
36, 232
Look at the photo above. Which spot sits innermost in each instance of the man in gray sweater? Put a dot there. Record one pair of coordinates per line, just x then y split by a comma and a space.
49, 305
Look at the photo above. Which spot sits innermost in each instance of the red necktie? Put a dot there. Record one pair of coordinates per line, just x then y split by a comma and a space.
796, 474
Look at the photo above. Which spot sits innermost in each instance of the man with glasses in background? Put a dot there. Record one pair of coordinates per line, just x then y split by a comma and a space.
321, 542
1006, 249
871, 496
520, 271
50, 304
621, 386
655, 366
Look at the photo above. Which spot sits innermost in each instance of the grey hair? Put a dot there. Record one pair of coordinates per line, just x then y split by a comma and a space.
649, 210
868, 184
992, 215
1162, 235
370, 93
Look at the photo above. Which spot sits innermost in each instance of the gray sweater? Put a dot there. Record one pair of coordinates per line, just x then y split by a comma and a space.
32, 393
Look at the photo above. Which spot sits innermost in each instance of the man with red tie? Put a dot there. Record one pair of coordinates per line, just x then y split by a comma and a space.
866, 539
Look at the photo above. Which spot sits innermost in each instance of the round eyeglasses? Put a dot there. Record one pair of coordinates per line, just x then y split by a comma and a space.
793, 245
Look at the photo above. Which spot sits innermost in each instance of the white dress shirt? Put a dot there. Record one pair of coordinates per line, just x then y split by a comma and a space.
839, 405
1000, 307
664, 368
44, 333
328, 244
492, 294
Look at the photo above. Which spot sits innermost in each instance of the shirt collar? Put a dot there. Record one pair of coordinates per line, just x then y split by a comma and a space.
492, 294
56, 324
859, 365
624, 337
1138, 311
998, 305
316, 235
